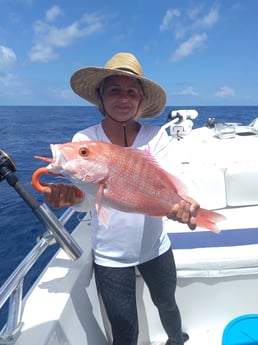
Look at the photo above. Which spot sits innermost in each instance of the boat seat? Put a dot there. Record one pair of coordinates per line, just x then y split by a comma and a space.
203, 181
242, 184
236, 185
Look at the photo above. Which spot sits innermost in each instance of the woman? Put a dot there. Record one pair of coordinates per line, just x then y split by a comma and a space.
123, 95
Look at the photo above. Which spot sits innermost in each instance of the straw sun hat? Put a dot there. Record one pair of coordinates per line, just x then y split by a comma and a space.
86, 82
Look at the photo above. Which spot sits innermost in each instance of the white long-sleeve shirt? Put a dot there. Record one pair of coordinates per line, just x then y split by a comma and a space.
130, 238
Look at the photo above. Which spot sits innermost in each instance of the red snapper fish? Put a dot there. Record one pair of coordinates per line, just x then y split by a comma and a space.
126, 179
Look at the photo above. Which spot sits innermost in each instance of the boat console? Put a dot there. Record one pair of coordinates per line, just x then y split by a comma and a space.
180, 123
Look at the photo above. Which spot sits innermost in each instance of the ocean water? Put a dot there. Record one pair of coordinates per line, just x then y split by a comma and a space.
28, 131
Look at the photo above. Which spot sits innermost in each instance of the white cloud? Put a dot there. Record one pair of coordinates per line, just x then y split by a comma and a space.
49, 37
65, 94
7, 57
8, 81
170, 14
188, 47
208, 20
53, 13
225, 91
188, 91
42, 53
195, 12
189, 27
190, 20
11, 85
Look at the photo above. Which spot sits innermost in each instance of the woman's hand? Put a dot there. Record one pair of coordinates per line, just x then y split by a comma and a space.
62, 195
185, 212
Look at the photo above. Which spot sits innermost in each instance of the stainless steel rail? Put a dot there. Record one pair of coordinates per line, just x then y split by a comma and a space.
12, 289
62, 236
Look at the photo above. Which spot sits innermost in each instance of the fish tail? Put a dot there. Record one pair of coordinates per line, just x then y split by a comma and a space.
208, 219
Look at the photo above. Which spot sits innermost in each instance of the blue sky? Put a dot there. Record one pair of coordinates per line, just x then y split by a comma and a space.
202, 52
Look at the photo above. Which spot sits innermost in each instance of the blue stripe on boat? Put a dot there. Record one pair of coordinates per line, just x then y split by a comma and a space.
206, 239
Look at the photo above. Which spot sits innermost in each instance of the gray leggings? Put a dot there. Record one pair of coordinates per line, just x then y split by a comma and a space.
117, 287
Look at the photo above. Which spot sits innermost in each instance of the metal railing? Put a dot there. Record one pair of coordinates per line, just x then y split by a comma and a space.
12, 289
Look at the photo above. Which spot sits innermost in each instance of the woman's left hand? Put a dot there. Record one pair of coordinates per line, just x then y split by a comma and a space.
185, 212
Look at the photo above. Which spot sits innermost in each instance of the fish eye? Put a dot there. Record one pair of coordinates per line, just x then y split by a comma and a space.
84, 152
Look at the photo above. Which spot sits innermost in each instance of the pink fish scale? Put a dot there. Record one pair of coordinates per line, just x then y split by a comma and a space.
136, 185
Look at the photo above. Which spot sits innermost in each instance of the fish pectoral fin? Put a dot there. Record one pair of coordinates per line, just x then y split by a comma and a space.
100, 193
103, 212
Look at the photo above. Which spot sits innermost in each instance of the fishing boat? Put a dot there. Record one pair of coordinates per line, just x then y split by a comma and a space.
217, 273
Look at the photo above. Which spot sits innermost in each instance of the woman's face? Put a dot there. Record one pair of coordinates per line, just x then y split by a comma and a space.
121, 97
